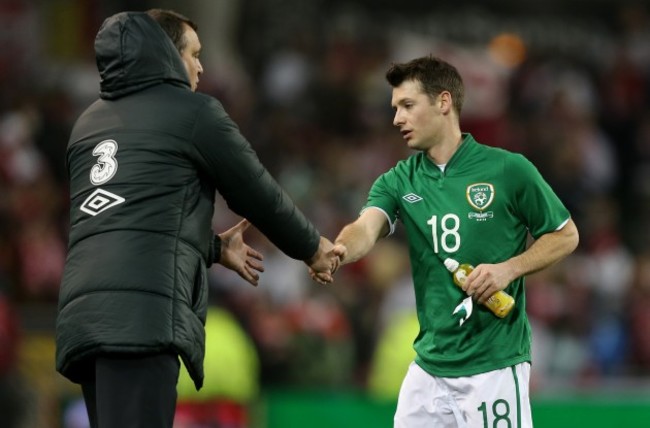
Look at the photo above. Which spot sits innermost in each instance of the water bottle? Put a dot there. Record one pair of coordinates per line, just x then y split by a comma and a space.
500, 303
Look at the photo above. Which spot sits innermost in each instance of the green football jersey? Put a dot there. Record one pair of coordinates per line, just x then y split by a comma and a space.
479, 210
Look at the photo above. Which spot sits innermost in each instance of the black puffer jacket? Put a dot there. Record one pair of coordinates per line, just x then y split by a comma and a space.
144, 163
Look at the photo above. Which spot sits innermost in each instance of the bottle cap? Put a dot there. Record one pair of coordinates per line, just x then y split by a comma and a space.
451, 264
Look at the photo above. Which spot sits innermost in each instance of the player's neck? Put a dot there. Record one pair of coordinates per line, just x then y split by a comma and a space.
443, 151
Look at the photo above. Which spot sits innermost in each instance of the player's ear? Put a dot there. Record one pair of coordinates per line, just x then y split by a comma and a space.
445, 102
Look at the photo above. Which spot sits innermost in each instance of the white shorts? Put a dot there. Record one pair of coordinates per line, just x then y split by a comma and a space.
496, 399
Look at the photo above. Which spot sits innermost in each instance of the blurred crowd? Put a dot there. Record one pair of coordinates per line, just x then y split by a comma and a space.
310, 96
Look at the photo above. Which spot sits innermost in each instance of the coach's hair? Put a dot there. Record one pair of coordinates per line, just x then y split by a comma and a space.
173, 24
435, 76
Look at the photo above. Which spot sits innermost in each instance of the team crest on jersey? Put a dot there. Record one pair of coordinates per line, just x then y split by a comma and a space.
480, 196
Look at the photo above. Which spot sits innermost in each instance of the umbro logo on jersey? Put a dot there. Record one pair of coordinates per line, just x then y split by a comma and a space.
411, 198
100, 200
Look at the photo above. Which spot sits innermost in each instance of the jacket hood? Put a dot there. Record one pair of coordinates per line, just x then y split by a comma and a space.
133, 52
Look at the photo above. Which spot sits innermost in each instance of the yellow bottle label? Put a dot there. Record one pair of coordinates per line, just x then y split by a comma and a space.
460, 277
500, 303
461, 274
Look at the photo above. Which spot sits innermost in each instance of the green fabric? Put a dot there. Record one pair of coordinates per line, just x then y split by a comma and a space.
479, 210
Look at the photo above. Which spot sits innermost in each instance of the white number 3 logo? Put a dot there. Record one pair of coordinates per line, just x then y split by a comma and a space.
106, 165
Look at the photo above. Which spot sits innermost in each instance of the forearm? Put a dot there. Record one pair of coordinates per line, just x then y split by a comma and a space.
357, 242
545, 251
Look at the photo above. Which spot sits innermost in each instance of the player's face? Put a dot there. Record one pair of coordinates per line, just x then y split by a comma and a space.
417, 116
190, 56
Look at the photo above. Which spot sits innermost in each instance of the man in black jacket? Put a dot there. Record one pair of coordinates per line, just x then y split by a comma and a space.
144, 162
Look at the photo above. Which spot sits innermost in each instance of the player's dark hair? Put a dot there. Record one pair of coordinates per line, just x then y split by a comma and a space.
173, 24
435, 76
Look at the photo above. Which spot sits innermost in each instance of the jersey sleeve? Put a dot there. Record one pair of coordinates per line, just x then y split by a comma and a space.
536, 203
382, 197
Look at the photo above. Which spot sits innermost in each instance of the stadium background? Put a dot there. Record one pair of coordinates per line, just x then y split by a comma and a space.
566, 82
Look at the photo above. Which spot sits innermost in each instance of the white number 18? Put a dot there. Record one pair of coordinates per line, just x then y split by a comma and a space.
449, 225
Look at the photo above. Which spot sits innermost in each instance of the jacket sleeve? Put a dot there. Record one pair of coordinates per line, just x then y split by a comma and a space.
214, 250
229, 161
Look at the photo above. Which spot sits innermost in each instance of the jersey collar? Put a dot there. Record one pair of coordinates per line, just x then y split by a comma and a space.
465, 146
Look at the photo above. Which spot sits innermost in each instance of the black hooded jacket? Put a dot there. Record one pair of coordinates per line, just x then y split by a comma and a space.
145, 161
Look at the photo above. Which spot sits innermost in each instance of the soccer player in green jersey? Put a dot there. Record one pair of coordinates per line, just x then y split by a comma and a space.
477, 204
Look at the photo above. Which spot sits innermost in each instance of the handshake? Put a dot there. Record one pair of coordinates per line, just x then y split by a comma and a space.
326, 261
238, 256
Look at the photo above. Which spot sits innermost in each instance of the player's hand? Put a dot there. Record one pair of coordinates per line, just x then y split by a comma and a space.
338, 250
341, 251
324, 263
487, 279
238, 256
